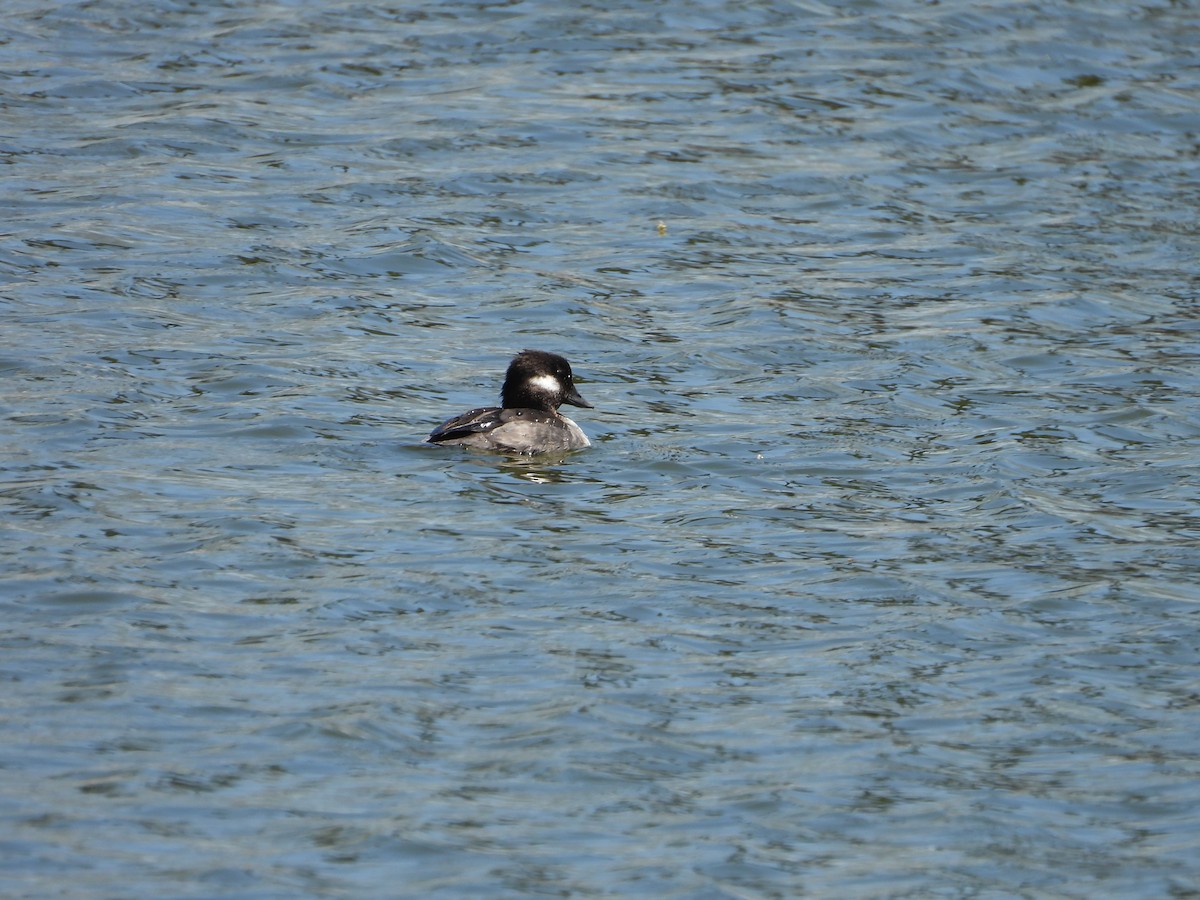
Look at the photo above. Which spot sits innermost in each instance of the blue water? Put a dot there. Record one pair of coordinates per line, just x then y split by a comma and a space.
878, 581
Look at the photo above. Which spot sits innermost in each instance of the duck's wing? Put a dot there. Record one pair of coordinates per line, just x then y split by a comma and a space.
488, 419
477, 421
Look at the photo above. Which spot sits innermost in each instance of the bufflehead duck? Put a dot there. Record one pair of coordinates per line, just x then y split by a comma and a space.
536, 385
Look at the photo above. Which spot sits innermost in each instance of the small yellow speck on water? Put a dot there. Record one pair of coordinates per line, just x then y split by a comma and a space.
662, 227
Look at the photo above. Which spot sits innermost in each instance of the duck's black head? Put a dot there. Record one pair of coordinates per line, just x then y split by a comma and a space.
539, 380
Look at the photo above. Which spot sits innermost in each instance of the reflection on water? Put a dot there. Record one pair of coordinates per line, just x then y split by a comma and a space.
877, 581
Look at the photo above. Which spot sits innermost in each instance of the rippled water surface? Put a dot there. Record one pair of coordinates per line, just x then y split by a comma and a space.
878, 581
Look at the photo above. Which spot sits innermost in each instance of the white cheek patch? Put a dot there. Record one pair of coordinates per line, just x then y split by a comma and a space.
547, 383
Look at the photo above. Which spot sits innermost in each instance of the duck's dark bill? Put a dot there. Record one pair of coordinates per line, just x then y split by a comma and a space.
572, 396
